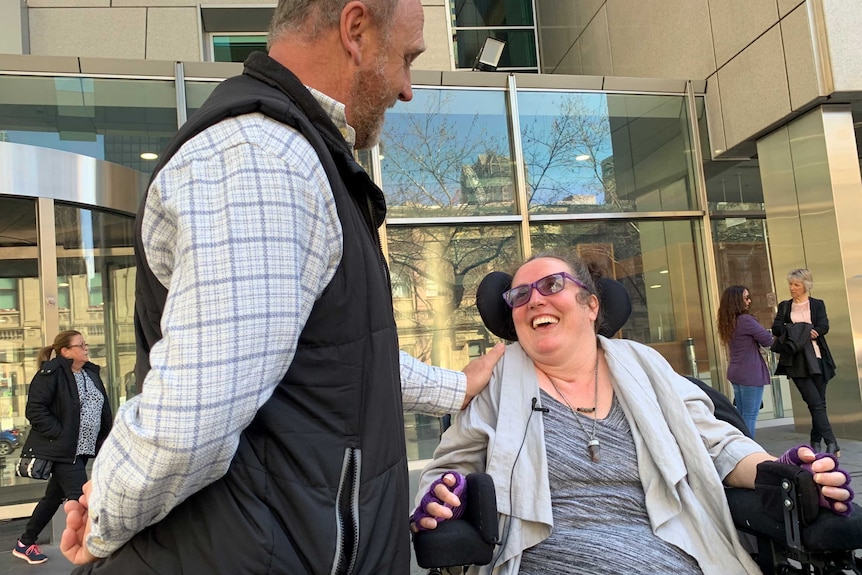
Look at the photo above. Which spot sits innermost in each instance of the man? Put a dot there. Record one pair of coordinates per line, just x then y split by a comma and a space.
268, 437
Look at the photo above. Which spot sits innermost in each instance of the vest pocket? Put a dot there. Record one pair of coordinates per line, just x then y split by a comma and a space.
347, 513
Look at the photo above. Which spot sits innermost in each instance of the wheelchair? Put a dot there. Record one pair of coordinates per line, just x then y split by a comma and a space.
793, 534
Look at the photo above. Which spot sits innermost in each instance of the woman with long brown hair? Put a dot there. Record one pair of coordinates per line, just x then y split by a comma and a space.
69, 417
743, 336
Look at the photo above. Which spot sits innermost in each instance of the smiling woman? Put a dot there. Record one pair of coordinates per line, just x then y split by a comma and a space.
563, 392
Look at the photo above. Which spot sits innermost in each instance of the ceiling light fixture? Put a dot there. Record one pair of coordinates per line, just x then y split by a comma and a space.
583, 157
149, 156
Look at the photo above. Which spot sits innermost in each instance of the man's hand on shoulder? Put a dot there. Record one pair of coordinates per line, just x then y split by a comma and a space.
479, 370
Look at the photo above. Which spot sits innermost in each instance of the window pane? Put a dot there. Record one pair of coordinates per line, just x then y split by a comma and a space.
96, 260
606, 152
447, 153
113, 120
520, 50
492, 12
20, 333
237, 48
742, 258
656, 262
435, 272
8, 294
196, 95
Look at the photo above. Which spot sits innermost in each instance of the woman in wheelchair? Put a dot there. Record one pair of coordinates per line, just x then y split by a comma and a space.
603, 459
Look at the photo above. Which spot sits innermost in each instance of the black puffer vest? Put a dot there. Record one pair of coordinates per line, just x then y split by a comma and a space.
319, 481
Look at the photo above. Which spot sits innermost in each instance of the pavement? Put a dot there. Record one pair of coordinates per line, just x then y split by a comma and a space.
776, 436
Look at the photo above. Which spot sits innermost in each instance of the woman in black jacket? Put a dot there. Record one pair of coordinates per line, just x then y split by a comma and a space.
69, 417
812, 366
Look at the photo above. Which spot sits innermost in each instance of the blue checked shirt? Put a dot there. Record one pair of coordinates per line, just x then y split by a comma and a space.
241, 226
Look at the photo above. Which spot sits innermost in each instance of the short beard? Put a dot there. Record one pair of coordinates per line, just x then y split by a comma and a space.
370, 102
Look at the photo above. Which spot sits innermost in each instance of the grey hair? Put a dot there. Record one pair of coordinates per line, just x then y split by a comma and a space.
311, 18
801, 275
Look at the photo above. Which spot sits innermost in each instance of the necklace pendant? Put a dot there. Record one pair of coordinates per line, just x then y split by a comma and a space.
593, 447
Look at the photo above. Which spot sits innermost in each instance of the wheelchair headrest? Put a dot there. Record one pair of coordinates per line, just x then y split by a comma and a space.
614, 301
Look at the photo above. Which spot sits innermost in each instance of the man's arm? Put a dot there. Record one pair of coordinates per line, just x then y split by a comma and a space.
247, 246
437, 391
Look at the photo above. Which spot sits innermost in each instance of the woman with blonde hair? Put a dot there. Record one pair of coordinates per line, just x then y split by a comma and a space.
811, 367
70, 417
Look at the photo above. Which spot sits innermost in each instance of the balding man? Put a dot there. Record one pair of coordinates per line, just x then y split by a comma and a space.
268, 437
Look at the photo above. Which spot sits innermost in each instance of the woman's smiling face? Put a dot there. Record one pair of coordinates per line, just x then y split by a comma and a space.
547, 324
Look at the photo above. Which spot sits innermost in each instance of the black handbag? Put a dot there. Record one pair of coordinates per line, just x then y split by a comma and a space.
33, 467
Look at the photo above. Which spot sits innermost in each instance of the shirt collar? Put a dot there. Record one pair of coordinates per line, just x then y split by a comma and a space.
335, 110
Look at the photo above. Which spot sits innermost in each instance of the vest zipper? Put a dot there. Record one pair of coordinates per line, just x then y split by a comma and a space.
347, 514
376, 233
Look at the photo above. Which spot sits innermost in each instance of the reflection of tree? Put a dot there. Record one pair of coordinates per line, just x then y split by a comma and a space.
443, 267
564, 154
616, 249
426, 153
461, 251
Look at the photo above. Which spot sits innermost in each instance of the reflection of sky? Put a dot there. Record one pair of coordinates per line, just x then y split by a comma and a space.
556, 128
52, 140
431, 137
439, 131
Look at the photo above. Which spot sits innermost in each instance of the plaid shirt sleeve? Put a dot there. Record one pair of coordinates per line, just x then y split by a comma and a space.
241, 225
430, 390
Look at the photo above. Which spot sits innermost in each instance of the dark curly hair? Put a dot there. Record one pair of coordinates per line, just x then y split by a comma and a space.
731, 307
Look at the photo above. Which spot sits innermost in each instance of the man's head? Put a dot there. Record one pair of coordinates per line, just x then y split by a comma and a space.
361, 53
310, 18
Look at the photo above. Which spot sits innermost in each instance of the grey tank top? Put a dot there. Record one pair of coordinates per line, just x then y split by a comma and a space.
600, 519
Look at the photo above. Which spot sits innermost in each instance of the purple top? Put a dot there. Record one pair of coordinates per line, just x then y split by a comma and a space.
746, 366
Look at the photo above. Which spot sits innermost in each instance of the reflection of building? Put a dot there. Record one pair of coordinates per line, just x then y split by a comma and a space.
488, 180
579, 200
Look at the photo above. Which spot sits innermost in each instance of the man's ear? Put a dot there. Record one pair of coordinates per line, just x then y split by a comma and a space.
355, 25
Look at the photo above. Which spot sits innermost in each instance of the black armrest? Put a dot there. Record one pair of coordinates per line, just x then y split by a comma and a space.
466, 541
784, 507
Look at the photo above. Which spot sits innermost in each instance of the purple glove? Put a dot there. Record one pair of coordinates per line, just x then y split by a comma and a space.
459, 489
791, 457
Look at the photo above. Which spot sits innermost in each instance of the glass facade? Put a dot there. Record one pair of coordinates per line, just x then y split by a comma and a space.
476, 178
236, 47
96, 285
117, 120
589, 152
448, 153
94, 271
511, 21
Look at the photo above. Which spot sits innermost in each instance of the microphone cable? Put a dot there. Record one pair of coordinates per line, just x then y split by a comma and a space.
505, 538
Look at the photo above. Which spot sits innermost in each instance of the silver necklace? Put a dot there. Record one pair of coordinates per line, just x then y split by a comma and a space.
593, 443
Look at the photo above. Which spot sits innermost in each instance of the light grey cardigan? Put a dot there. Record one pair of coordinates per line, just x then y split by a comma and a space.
684, 452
